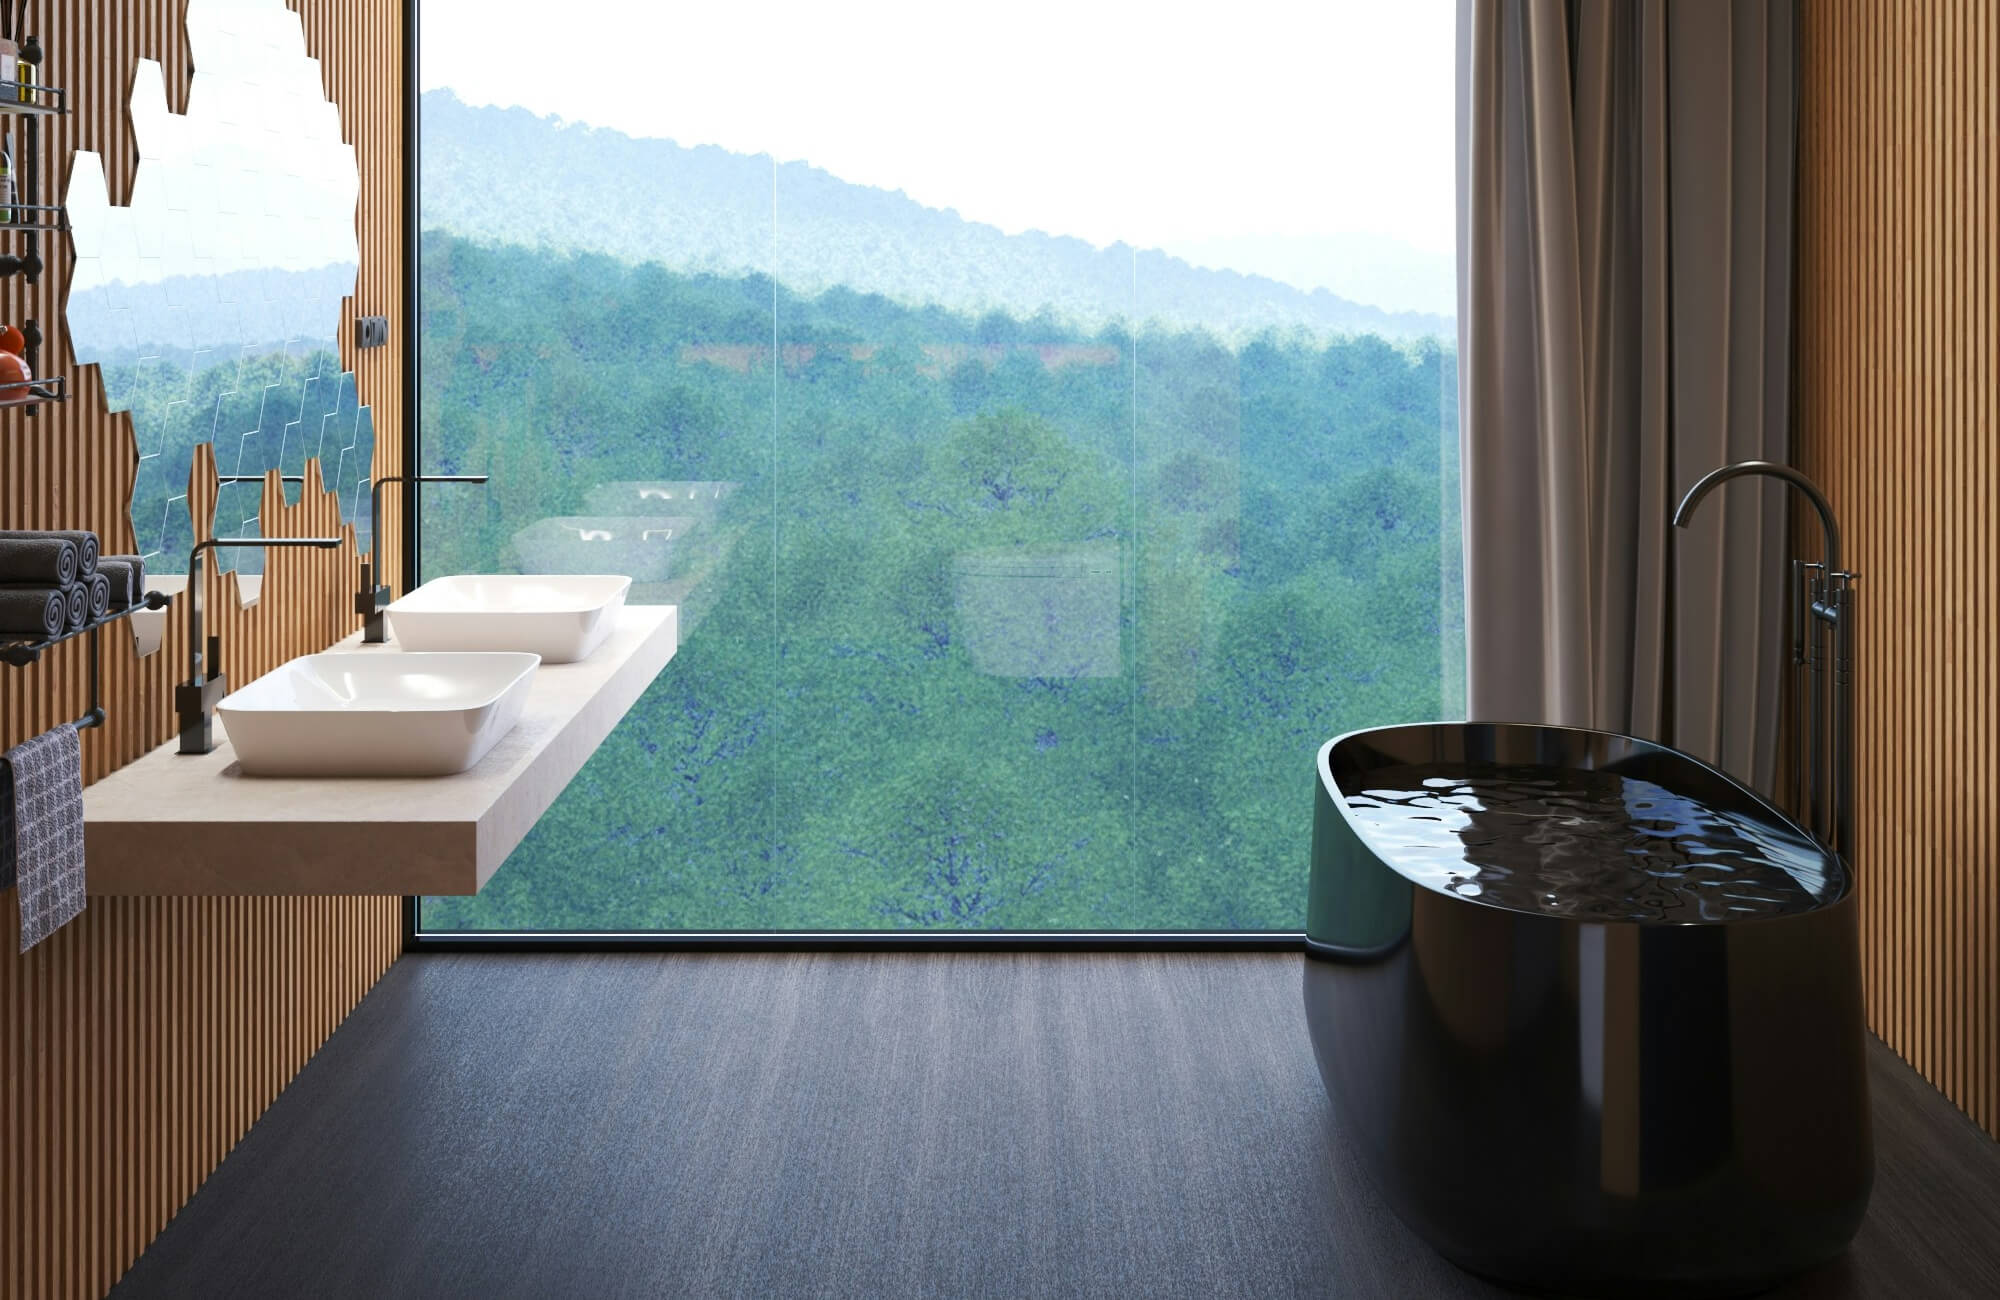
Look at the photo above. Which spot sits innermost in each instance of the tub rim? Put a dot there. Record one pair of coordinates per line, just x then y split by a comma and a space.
1842, 896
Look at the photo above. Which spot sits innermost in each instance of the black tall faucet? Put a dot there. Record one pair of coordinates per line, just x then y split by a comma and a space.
375, 595
194, 699
1822, 599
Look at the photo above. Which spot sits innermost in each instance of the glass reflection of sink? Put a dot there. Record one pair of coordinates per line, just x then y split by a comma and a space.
644, 548
561, 617
374, 714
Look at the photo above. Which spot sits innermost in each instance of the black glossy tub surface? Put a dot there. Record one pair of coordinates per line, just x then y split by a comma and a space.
1581, 1103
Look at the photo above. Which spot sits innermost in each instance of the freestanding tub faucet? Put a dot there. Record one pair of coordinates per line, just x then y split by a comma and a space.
1822, 599
194, 699
375, 595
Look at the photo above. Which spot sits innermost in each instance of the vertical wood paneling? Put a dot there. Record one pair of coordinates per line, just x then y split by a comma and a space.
1899, 401
139, 1043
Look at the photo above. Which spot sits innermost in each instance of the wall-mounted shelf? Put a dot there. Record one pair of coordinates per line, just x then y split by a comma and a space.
35, 392
21, 651
48, 218
41, 219
28, 213
49, 101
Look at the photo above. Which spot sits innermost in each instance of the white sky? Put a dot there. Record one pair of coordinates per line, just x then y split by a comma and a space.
1186, 126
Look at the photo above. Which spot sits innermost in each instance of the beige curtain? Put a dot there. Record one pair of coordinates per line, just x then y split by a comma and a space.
1625, 253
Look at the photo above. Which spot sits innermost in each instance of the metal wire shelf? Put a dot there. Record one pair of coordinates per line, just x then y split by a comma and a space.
47, 101
21, 651
48, 218
34, 392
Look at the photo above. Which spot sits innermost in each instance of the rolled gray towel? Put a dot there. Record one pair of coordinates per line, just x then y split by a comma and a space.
34, 611
77, 608
41, 560
99, 588
128, 579
84, 541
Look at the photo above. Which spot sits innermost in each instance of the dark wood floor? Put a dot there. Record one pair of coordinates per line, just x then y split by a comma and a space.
882, 1125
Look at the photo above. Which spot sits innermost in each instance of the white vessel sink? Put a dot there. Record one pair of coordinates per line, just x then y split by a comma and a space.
375, 714
561, 617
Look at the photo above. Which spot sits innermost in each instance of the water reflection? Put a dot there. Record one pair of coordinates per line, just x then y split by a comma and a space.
1583, 843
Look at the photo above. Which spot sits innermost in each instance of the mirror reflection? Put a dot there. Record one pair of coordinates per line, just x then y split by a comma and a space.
212, 303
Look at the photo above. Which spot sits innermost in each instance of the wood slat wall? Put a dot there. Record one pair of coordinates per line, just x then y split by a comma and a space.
140, 1043
1899, 404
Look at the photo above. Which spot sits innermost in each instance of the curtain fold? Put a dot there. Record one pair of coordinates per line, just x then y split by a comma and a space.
1625, 253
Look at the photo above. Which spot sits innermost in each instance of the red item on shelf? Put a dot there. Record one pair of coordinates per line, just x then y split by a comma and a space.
13, 370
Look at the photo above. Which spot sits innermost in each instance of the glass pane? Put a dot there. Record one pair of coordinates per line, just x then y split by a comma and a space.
1041, 478
954, 690
623, 412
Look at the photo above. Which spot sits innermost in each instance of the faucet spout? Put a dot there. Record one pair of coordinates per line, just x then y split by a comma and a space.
1829, 527
194, 699
1823, 598
375, 593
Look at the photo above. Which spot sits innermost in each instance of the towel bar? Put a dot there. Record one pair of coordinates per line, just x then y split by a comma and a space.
22, 651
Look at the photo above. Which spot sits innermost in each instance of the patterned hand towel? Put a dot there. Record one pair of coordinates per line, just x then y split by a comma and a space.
6, 826
85, 543
48, 831
41, 560
34, 611
128, 579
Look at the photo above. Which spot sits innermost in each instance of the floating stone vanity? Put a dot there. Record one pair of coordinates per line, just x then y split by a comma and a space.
177, 824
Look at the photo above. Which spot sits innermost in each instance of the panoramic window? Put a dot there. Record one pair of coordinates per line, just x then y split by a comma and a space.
1044, 418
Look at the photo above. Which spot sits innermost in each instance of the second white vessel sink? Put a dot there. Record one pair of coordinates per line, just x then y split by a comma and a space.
561, 617
359, 714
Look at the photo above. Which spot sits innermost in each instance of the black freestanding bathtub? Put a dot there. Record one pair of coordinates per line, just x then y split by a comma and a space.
1651, 1086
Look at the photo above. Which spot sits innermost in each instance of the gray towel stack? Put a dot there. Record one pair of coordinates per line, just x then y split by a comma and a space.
40, 612
38, 559
48, 831
37, 565
127, 575
85, 543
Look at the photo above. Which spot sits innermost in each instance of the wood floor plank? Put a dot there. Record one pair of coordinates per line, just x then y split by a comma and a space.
882, 1125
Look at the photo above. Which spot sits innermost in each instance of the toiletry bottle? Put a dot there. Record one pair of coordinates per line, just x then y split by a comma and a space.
31, 69
6, 179
10, 60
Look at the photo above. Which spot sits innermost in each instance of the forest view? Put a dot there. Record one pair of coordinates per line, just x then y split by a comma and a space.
1010, 599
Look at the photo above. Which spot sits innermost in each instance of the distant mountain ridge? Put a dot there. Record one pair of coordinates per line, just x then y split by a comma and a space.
507, 176
222, 318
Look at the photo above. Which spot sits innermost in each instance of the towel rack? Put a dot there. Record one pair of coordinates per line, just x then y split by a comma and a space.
22, 651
